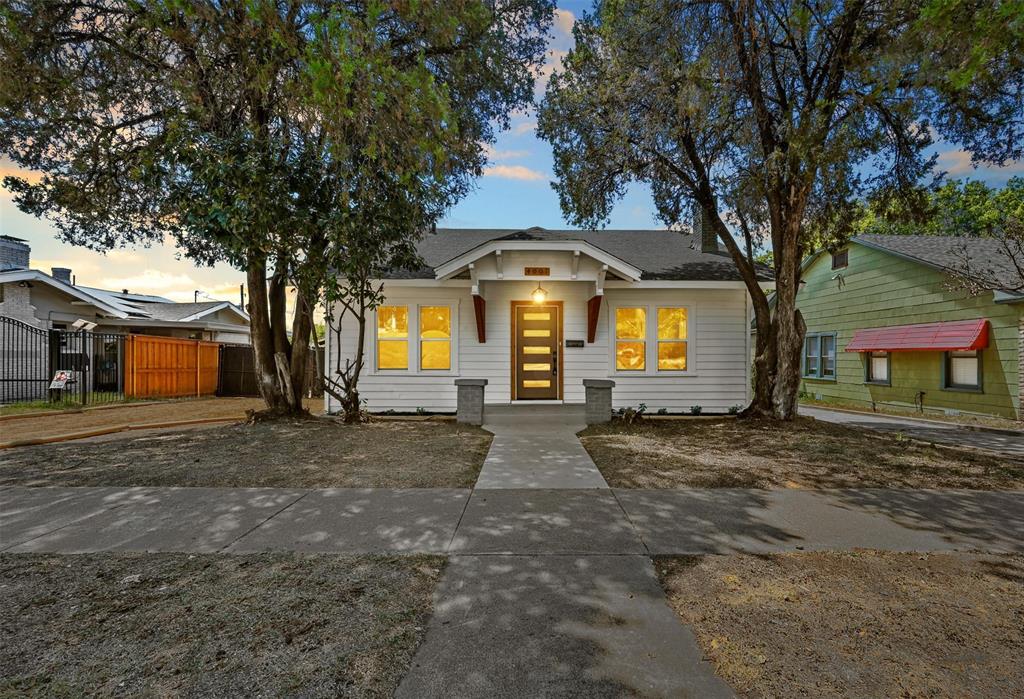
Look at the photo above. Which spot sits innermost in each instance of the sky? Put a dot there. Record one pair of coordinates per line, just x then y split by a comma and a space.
515, 192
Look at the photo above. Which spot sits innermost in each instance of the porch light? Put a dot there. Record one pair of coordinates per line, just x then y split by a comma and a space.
539, 295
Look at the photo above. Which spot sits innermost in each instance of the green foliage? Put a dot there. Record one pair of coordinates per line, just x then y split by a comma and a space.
775, 118
292, 139
967, 208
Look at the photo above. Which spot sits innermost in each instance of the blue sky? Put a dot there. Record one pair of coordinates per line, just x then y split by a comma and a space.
515, 192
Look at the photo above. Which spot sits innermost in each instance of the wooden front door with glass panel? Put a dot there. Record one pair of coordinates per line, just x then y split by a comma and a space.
536, 333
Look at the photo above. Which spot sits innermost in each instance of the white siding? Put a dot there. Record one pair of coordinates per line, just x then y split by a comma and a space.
717, 378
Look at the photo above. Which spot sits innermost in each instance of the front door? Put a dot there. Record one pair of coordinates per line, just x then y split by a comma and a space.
536, 334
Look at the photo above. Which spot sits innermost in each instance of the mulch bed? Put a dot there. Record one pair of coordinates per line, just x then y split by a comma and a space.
803, 454
311, 453
211, 625
863, 624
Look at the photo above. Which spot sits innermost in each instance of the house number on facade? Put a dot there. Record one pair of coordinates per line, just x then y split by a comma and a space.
537, 271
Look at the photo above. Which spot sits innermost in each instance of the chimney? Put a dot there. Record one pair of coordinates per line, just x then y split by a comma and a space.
61, 274
702, 228
13, 253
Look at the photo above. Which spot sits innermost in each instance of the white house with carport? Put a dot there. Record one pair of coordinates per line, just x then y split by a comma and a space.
662, 313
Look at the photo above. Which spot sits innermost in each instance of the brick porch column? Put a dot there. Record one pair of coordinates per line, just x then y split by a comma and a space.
599, 400
470, 402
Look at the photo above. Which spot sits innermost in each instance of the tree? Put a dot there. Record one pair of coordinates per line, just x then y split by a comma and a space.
968, 208
805, 106
258, 132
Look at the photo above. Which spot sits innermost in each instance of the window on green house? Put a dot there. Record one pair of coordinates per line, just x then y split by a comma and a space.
878, 367
840, 259
820, 356
963, 370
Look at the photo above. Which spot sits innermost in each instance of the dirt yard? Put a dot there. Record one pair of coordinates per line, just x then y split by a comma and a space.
729, 453
211, 625
862, 624
168, 411
314, 453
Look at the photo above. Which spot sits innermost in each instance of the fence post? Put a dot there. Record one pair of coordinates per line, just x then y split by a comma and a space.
83, 366
53, 361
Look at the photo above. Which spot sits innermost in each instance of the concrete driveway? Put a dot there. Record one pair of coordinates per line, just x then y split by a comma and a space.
926, 430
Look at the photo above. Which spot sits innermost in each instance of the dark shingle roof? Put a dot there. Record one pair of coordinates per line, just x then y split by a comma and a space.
176, 311
660, 254
947, 252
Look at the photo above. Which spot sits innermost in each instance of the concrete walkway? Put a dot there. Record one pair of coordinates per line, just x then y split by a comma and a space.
925, 430
582, 522
535, 446
548, 592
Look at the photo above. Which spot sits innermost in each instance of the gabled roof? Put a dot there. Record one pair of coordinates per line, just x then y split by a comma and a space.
657, 254
946, 253
34, 275
189, 311
127, 306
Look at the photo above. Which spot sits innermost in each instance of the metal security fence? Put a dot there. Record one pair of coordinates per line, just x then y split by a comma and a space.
30, 357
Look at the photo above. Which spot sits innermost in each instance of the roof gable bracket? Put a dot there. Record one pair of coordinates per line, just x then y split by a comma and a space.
575, 264
599, 282
497, 262
474, 278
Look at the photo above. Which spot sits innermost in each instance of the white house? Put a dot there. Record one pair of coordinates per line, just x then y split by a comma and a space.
535, 312
54, 302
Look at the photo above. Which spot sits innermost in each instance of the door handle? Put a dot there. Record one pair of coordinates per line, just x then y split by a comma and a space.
554, 363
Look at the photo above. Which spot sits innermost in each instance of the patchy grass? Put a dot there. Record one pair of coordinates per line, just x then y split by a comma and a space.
211, 625
311, 453
864, 624
802, 454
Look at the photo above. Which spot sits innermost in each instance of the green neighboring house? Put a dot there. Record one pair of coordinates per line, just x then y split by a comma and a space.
885, 326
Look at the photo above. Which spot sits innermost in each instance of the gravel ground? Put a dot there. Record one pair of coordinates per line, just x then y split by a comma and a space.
211, 625
313, 453
806, 453
862, 624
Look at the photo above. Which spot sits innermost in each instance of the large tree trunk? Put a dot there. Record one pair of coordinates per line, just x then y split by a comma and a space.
269, 341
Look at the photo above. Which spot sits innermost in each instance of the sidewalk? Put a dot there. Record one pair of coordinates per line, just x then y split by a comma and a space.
578, 522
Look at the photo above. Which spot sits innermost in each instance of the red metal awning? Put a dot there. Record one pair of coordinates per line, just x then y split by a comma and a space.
939, 337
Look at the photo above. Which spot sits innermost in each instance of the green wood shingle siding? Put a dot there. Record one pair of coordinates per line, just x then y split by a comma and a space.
878, 290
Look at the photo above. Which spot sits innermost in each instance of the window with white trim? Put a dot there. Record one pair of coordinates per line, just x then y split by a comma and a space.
630, 339
435, 338
878, 364
672, 339
963, 370
393, 337
642, 346
819, 356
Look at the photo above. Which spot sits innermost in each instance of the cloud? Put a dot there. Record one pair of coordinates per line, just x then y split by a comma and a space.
524, 127
152, 280
493, 154
564, 19
513, 172
8, 167
958, 163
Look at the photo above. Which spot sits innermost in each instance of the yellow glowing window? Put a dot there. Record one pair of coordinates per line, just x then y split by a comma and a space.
536, 367
537, 383
393, 337
672, 334
536, 333
536, 316
630, 336
435, 337
529, 349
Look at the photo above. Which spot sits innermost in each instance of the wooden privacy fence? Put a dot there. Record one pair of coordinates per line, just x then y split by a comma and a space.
169, 367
